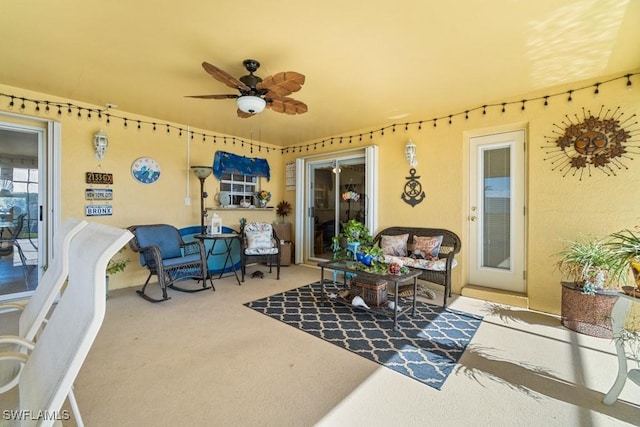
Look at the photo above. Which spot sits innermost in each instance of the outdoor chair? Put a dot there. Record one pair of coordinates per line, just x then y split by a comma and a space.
166, 255
34, 311
55, 359
8, 243
259, 244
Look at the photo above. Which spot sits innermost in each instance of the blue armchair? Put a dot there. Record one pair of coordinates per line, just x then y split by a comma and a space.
166, 255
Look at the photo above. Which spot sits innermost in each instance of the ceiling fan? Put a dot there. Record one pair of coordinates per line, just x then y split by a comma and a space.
256, 93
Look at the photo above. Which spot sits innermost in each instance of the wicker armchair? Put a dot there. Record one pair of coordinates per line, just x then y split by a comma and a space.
166, 255
259, 244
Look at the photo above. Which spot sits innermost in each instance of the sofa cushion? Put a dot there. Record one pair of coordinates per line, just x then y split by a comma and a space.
426, 247
422, 264
394, 245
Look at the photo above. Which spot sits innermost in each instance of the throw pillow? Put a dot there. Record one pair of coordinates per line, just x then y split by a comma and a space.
426, 247
259, 239
394, 245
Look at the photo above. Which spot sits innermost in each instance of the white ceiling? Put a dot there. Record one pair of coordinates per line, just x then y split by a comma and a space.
366, 64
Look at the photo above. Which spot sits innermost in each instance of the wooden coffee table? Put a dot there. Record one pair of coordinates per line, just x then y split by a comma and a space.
393, 282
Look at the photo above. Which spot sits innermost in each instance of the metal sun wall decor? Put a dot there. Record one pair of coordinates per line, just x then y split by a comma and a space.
594, 141
413, 193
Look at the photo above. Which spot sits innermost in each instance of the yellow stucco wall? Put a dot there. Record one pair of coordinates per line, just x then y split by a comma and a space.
559, 208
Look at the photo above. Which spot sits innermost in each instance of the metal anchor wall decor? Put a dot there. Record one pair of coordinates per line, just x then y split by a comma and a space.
413, 193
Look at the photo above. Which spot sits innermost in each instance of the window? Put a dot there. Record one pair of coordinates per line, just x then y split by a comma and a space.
239, 187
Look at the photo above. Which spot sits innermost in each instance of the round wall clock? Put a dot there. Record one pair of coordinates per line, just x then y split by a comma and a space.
145, 170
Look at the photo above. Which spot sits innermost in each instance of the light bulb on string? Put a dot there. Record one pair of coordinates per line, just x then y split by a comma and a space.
629, 84
37, 108
434, 122
79, 113
139, 126
46, 108
88, 115
69, 110
11, 104
546, 101
22, 106
596, 92
126, 125
570, 98
466, 114
504, 107
484, 110
450, 121
522, 108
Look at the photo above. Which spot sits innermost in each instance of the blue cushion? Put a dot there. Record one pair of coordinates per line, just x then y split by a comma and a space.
165, 237
188, 259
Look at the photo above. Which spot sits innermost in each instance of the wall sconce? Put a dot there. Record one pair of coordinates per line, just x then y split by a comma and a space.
411, 154
202, 172
101, 142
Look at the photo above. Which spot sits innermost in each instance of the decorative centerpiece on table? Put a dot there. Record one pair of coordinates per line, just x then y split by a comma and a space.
263, 197
368, 257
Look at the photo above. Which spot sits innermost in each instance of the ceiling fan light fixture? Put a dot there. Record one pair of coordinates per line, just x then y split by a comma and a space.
251, 104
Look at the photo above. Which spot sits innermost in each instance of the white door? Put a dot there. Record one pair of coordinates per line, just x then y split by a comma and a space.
496, 211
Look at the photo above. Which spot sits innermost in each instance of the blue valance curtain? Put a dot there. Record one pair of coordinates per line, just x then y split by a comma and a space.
224, 162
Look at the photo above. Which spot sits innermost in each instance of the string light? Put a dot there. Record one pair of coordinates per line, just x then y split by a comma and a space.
485, 108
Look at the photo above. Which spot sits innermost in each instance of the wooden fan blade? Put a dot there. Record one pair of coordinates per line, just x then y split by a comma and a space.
224, 77
282, 84
287, 105
244, 115
212, 96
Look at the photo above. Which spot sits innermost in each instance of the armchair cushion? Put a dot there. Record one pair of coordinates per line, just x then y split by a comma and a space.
166, 238
259, 240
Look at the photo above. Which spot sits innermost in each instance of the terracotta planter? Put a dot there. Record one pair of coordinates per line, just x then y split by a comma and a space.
587, 314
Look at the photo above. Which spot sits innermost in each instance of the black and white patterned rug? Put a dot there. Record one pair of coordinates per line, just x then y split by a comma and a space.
425, 347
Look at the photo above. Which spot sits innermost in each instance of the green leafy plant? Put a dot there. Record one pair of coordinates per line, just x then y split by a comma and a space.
588, 263
352, 231
117, 265
625, 250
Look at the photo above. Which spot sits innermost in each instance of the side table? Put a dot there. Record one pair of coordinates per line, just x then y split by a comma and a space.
618, 316
227, 239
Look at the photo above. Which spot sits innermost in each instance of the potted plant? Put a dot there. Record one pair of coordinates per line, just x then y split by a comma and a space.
115, 265
588, 264
587, 300
625, 252
353, 231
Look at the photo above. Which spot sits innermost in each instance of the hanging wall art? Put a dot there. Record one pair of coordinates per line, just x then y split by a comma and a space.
413, 193
601, 142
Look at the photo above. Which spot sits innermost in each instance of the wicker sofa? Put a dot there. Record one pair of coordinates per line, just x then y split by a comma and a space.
438, 271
